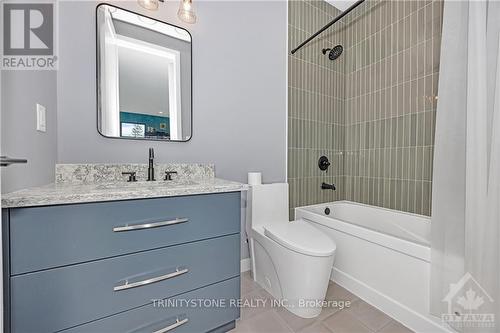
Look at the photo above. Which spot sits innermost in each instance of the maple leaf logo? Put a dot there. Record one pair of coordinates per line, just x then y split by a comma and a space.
471, 301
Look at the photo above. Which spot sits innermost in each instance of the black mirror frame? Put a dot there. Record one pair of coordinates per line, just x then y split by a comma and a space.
97, 62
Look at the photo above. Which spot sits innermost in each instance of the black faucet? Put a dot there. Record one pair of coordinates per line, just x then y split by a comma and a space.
168, 175
131, 176
151, 169
325, 186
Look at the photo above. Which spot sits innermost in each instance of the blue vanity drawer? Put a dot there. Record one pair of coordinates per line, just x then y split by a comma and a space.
61, 298
47, 237
192, 319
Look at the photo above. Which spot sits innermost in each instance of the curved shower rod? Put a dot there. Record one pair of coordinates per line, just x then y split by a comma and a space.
341, 15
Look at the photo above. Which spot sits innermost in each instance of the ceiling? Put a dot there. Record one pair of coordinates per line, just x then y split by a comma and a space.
341, 4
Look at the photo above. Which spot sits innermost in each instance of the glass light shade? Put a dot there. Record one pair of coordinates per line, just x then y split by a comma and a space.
149, 4
186, 12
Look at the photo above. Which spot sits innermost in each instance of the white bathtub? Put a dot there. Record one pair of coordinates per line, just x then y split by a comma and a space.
383, 256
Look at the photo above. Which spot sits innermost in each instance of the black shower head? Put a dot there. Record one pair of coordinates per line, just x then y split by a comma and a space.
334, 53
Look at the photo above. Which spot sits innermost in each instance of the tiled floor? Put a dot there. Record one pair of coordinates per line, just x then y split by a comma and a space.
360, 317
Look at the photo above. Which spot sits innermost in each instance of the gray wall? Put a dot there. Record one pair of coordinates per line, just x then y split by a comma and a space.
239, 97
21, 90
239, 87
239, 90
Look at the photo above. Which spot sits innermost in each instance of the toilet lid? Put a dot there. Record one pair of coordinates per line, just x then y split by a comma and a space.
301, 237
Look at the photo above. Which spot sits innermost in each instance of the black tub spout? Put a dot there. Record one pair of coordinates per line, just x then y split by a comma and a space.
325, 186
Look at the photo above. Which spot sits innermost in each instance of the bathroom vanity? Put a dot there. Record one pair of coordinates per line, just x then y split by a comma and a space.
92, 255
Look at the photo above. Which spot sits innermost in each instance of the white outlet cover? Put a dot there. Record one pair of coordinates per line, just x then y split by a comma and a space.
41, 124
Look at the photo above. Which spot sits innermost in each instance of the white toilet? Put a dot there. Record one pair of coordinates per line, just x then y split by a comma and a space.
290, 260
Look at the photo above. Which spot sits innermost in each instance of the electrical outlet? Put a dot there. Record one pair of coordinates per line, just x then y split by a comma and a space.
41, 124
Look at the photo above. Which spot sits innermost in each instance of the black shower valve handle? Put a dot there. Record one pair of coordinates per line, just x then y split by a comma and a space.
323, 163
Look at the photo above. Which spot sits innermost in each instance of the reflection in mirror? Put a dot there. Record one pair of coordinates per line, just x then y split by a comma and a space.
144, 77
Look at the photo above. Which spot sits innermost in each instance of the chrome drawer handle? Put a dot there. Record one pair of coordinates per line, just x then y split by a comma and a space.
149, 225
151, 280
171, 327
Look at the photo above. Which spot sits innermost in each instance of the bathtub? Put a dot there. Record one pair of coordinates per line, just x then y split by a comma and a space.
383, 256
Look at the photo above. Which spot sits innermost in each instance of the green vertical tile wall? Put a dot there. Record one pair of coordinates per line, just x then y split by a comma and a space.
372, 111
391, 68
315, 105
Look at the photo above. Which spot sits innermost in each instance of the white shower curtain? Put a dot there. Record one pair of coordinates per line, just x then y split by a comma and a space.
466, 182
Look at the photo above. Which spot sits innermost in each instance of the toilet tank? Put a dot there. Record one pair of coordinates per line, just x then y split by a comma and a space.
267, 204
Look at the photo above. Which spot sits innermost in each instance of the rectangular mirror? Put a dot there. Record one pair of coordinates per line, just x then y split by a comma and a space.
143, 77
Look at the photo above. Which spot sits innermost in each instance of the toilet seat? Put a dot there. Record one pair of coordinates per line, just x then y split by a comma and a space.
301, 237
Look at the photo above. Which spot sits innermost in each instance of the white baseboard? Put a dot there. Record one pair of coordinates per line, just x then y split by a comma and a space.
408, 317
245, 265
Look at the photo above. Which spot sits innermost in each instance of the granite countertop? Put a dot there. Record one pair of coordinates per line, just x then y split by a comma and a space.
59, 194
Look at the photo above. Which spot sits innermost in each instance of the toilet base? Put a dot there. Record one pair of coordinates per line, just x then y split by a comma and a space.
305, 312
299, 282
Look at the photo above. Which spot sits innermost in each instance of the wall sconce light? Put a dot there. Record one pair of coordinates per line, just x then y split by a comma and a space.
149, 4
186, 11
